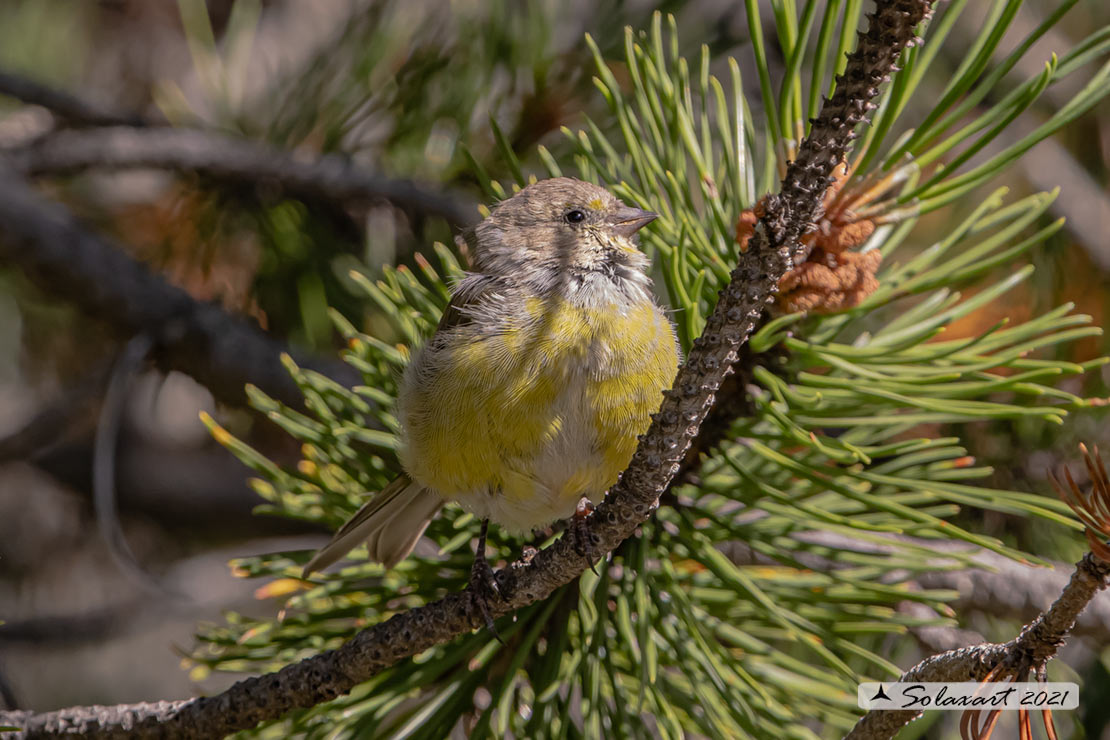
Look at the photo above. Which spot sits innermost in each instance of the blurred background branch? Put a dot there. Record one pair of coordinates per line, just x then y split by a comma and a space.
222, 352
236, 161
72, 109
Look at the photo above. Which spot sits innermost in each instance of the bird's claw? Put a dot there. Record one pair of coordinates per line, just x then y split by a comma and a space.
583, 542
483, 583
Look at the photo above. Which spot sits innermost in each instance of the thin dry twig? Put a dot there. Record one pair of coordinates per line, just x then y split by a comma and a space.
128, 365
1040, 640
772, 251
1037, 643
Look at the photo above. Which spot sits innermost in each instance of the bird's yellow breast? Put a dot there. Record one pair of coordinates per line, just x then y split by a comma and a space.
520, 420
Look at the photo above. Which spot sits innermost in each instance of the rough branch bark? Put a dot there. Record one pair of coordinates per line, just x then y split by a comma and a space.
770, 254
229, 159
1036, 644
220, 351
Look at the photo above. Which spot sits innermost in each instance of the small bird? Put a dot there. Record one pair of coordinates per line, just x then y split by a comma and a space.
545, 367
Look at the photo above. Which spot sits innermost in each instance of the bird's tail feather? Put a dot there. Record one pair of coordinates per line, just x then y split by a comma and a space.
390, 523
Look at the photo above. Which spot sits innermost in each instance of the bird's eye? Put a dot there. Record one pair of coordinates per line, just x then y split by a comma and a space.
574, 217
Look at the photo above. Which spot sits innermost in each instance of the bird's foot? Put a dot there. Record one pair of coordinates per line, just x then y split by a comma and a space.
483, 583
527, 553
584, 543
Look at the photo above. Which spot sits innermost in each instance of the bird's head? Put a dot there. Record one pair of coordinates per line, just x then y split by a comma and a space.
562, 232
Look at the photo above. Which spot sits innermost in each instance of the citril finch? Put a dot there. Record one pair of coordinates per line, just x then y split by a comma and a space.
546, 366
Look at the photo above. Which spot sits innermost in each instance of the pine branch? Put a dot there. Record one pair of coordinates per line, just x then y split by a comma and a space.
1037, 643
1040, 639
771, 252
65, 105
732, 403
238, 161
221, 351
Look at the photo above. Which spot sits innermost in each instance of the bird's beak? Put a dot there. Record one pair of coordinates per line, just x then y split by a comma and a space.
627, 221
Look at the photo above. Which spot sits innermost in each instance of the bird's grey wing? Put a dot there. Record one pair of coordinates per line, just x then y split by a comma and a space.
470, 292
395, 517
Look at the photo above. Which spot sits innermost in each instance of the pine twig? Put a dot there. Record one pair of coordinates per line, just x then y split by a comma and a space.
1036, 644
1039, 641
771, 252
233, 160
221, 351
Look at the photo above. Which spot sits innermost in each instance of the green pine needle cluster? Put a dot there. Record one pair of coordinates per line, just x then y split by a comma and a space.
754, 602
